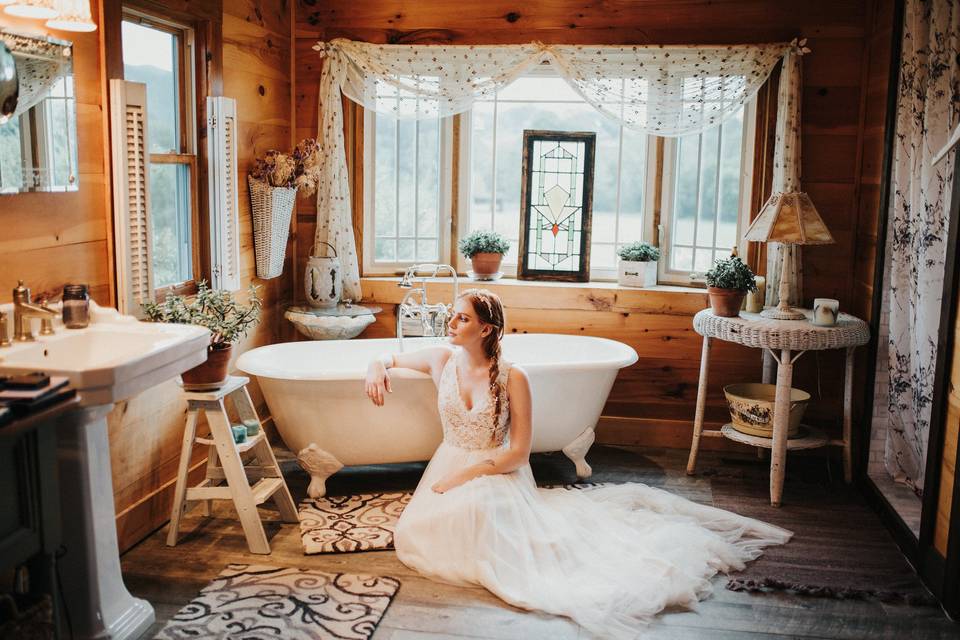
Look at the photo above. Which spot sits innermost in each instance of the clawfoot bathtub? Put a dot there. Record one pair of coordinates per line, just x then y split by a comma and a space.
315, 394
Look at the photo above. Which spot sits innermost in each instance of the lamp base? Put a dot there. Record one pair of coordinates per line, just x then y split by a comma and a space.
776, 313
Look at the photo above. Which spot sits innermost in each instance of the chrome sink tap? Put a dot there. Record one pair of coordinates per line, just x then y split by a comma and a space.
24, 310
434, 318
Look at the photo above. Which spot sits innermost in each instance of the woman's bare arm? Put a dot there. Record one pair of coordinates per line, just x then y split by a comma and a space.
429, 360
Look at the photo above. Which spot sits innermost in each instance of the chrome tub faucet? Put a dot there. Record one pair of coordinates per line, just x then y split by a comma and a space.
434, 318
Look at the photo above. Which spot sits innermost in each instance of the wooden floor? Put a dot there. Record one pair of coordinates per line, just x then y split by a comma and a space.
170, 577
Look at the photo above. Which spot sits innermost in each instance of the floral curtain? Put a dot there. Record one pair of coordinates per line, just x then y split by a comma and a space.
927, 110
786, 172
662, 90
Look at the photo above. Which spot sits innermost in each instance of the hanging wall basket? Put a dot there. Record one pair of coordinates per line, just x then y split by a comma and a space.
272, 208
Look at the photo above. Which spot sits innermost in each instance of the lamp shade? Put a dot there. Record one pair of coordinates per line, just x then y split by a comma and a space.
73, 15
42, 9
789, 218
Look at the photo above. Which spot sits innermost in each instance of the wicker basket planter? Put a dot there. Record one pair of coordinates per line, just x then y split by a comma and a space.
272, 208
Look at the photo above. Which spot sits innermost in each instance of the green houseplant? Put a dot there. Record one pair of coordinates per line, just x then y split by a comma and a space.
638, 265
485, 250
227, 319
727, 283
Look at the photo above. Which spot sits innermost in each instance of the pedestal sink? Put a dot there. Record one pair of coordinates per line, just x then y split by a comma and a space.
116, 357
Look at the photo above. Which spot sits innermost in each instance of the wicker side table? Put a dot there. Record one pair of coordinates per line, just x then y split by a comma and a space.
783, 342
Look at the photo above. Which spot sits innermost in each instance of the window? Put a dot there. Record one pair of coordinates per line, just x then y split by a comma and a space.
706, 196
407, 197
160, 55
622, 193
689, 195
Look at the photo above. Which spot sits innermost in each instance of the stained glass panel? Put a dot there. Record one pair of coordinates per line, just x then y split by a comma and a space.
557, 201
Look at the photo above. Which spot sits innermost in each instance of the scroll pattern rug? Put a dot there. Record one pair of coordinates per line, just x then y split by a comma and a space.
363, 522
257, 602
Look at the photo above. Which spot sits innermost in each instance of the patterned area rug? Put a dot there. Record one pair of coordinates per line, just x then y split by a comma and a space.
363, 522
343, 524
256, 602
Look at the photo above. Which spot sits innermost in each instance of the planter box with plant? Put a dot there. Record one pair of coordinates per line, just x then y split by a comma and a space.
485, 250
217, 310
638, 265
727, 283
274, 182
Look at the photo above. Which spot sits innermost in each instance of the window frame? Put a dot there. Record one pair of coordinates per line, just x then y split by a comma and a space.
455, 166
370, 266
665, 275
187, 152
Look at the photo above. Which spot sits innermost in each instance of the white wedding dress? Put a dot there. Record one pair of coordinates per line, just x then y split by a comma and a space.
609, 557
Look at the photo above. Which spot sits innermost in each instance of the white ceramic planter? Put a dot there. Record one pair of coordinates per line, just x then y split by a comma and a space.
637, 274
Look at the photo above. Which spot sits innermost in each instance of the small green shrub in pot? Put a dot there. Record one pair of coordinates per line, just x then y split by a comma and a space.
638, 265
727, 283
227, 319
485, 250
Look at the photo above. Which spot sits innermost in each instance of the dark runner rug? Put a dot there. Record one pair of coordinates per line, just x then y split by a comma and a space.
258, 602
839, 548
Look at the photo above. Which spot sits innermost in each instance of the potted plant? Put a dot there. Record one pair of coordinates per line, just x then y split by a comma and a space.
638, 265
274, 182
727, 283
485, 249
227, 319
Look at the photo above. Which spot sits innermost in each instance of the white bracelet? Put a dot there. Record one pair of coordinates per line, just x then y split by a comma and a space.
387, 360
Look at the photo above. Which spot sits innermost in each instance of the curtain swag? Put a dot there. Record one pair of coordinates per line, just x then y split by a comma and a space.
661, 90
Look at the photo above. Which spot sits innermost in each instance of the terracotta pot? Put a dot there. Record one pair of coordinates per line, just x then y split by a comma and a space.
726, 302
486, 264
213, 370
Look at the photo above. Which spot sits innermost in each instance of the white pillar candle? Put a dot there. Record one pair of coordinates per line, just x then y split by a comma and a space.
825, 311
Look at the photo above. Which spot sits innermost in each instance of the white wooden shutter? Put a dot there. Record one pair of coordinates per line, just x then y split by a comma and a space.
131, 195
222, 176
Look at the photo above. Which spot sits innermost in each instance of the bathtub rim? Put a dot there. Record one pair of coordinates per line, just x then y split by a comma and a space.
247, 361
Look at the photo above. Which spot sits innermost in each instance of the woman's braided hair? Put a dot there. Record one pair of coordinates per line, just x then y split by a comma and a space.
489, 310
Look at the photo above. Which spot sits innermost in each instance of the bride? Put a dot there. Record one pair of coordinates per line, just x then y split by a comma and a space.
609, 557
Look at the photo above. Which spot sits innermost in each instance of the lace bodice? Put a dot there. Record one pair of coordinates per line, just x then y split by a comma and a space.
471, 428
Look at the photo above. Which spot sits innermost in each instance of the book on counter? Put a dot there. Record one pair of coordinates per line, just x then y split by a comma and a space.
17, 401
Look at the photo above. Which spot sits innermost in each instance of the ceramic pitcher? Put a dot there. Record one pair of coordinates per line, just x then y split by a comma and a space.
321, 281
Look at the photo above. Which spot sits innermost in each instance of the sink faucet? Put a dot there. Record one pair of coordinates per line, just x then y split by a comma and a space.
24, 310
434, 318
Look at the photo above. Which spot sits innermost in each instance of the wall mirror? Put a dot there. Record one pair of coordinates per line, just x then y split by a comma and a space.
38, 139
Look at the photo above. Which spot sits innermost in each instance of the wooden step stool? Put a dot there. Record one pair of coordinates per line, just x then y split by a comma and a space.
261, 467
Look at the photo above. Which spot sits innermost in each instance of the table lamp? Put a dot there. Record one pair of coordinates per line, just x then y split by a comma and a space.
788, 218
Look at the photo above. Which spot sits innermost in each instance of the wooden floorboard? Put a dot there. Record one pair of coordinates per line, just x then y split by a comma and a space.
169, 577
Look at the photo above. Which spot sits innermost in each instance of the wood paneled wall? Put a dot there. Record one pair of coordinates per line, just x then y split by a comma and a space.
146, 431
652, 402
50, 239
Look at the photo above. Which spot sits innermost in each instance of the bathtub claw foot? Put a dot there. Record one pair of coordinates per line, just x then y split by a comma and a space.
577, 452
320, 465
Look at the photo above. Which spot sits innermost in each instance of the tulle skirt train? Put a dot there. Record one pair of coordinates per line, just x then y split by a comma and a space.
610, 557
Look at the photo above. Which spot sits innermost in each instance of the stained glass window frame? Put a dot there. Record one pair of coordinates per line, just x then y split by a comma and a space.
530, 138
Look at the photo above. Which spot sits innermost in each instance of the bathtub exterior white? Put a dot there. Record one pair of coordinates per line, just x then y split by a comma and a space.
315, 394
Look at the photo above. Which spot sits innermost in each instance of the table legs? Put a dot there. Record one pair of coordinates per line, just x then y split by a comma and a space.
781, 423
701, 402
847, 418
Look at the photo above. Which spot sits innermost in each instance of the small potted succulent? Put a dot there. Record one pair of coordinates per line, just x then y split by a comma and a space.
727, 283
485, 249
638, 265
218, 311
